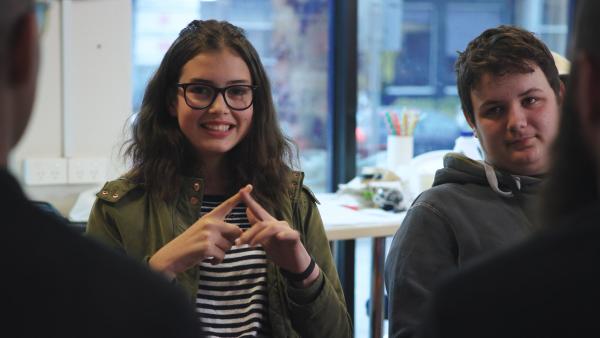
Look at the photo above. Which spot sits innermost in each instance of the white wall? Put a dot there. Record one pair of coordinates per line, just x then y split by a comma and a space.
84, 92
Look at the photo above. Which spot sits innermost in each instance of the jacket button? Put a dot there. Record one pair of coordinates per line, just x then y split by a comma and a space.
194, 200
115, 195
196, 186
104, 192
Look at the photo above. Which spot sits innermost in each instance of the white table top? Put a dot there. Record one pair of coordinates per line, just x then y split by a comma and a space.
342, 222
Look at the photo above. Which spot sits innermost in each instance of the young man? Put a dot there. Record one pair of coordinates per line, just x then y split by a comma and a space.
510, 93
55, 282
548, 285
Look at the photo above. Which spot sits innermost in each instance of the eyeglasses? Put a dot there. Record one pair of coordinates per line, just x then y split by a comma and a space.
201, 96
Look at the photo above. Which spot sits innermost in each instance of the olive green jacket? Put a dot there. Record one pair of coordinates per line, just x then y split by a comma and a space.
128, 218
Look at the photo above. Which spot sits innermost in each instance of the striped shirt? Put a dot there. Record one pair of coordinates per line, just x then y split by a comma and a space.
232, 296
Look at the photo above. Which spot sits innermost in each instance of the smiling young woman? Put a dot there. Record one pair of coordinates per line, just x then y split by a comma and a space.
212, 201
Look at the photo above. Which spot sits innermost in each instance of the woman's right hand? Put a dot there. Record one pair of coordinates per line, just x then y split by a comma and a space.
210, 237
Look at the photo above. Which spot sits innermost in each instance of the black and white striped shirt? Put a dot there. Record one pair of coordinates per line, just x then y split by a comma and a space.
232, 296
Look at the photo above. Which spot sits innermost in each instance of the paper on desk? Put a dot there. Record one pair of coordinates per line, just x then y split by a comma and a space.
335, 211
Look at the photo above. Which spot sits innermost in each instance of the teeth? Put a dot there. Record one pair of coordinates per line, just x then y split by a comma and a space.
217, 127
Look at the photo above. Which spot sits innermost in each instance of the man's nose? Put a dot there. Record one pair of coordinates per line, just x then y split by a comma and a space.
517, 118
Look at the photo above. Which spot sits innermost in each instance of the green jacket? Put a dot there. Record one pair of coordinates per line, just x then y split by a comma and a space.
128, 218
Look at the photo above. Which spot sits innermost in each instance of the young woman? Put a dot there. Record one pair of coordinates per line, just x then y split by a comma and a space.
207, 130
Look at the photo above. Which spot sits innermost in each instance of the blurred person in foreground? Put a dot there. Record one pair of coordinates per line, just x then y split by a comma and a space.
510, 93
548, 285
55, 282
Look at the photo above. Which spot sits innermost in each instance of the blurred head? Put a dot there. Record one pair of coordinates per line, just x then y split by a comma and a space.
159, 145
575, 175
586, 91
510, 93
18, 70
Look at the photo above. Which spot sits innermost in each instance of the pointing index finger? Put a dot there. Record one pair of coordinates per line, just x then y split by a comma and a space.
223, 209
255, 207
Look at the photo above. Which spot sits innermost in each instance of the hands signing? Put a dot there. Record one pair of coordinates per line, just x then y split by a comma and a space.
281, 243
209, 237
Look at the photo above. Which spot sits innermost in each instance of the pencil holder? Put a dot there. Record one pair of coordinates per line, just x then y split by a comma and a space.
399, 151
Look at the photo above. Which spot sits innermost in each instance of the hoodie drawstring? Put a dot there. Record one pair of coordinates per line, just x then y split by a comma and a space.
490, 174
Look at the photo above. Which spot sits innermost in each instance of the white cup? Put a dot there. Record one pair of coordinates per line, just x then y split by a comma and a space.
399, 151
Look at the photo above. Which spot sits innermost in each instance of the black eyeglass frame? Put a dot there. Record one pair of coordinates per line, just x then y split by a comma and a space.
217, 90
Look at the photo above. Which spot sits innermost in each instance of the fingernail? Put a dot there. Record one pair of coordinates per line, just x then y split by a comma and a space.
249, 187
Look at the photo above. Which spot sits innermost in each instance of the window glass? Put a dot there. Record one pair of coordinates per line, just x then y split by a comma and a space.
291, 38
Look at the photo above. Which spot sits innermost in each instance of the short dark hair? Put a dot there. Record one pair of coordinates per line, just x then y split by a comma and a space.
161, 154
499, 51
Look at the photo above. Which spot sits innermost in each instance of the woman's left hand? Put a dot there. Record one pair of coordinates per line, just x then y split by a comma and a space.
281, 243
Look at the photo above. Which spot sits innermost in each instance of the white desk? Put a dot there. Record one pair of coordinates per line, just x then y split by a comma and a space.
343, 223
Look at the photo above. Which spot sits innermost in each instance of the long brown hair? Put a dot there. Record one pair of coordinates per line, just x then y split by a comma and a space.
161, 154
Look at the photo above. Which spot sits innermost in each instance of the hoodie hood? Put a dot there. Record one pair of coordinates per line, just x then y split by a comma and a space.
461, 169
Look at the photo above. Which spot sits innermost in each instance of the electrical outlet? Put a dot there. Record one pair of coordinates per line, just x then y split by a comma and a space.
45, 171
87, 170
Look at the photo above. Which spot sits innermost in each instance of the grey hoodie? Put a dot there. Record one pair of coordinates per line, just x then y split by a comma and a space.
471, 211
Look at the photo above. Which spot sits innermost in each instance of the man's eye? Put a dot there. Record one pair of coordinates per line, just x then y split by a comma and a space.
494, 111
529, 101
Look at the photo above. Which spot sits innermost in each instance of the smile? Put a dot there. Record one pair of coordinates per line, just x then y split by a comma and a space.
217, 127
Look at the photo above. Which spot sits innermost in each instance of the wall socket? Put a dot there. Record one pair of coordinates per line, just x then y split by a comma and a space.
83, 170
45, 171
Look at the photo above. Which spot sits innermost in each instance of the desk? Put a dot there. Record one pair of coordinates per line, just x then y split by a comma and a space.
343, 223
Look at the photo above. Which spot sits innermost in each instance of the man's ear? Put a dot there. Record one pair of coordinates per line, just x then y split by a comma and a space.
561, 93
588, 97
24, 50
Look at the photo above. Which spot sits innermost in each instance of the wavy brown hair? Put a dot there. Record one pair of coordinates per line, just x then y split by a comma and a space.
501, 50
161, 154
